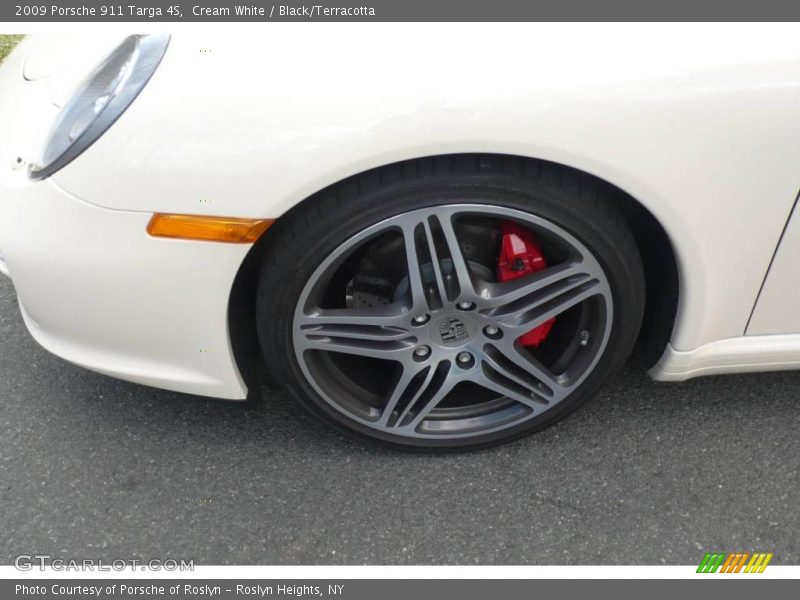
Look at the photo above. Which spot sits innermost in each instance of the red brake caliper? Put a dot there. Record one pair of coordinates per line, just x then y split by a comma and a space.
520, 255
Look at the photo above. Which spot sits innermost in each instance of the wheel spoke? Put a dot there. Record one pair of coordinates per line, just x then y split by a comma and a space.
436, 385
420, 300
441, 288
502, 297
389, 316
460, 268
547, 310
514, 392
372, 333
394, 350
430, 404
519, 367
409, 387
430, 241
524, 304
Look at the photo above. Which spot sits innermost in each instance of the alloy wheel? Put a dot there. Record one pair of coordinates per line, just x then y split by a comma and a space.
407, 329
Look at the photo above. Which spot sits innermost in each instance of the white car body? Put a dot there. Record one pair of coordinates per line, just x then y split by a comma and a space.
696, 124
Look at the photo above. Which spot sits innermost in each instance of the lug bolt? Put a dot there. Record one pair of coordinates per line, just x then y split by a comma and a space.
492, 331
464, 359
420, 319
422, 351
465, 305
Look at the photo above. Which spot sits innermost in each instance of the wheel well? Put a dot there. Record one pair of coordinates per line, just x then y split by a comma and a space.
655, 248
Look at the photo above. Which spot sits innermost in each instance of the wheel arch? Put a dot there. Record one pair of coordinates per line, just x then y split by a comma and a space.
655, 246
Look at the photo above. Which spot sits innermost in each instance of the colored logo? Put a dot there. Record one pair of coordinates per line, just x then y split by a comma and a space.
735, 562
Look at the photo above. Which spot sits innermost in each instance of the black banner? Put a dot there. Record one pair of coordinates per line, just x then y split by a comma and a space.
370, 589
395, 10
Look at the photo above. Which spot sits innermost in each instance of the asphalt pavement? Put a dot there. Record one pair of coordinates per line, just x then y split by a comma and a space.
646, 473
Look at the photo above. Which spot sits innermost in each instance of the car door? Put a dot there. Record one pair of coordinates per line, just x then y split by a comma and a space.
776, 310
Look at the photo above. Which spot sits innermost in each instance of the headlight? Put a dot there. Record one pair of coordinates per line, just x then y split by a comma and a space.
100, 100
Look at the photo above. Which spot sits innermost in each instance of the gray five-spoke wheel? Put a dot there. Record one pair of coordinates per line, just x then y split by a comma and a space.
426, 344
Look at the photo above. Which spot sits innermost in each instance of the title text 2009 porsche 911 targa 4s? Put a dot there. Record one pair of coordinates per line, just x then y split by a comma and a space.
432, 239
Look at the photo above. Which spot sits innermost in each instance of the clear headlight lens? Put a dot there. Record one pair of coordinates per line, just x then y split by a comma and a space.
100, 100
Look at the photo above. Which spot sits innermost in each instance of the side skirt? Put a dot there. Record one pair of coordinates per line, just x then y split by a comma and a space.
734, 355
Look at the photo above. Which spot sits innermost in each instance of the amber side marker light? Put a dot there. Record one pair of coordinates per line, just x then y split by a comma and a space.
210, 229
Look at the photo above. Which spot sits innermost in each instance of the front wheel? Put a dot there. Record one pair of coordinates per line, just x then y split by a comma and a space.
459, 308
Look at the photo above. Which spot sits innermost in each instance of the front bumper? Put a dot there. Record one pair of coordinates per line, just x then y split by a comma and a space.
94, 287
4, 267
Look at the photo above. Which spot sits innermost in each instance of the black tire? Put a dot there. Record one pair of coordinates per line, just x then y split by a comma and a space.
300, 240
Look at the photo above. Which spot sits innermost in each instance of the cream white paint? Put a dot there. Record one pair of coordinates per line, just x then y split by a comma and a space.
258, 124
93, 287
697, 125
743, 354
778, 308
106, 296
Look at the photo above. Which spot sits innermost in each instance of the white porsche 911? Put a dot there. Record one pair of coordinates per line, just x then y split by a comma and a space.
438, 238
